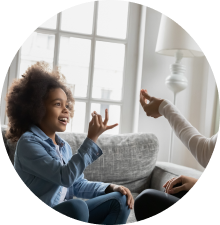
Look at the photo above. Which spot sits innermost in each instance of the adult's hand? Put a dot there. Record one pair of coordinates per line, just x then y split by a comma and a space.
151, 108
187, 184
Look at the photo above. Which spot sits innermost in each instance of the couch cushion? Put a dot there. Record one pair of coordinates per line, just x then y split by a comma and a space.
128, 159
9, 145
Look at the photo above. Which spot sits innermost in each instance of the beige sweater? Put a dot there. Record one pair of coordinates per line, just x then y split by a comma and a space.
201, 147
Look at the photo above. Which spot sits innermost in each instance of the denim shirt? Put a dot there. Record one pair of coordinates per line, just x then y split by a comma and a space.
38, 165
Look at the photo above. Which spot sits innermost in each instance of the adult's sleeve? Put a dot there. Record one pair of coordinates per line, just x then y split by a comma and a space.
200, 146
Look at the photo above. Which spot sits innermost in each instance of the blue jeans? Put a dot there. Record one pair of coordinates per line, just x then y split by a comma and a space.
105, 209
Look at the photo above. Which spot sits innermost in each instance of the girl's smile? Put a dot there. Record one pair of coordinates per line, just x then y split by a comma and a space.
57, 113
64, 123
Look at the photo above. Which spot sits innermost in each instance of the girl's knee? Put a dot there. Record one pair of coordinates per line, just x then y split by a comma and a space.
77, 204
121, 202
79, 209
119, 197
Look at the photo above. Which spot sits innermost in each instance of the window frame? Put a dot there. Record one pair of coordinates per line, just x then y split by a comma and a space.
133, 11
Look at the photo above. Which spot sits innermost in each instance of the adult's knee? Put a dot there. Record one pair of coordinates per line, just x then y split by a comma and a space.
144, 196
151, 202
155, 197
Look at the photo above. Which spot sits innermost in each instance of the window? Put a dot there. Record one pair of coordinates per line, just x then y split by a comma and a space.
92, 54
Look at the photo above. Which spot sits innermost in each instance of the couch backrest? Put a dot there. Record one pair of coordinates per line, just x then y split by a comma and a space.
128, 159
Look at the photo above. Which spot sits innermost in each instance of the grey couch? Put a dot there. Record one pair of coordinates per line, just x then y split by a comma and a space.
128, 159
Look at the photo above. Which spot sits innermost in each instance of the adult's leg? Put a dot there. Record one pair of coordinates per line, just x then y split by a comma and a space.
108, 209
151, 202
180, 194
74, 208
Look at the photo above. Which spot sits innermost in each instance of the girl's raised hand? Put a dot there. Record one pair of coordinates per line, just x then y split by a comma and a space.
97, 126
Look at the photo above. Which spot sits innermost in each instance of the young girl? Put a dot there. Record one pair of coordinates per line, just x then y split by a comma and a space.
38, 105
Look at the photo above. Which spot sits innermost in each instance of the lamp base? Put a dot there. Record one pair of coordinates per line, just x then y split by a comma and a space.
177, 82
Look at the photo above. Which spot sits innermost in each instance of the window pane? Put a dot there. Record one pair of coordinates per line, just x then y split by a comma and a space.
74, 60
51, 23
38, 47
112, 19
114, 115
78, 121
108, 71
78, 18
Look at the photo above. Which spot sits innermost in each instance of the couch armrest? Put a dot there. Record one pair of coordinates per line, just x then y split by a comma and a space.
164, 171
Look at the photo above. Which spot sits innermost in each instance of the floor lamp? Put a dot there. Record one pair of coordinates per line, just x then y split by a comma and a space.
174, 41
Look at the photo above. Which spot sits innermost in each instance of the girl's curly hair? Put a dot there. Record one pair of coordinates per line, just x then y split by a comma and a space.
26, 96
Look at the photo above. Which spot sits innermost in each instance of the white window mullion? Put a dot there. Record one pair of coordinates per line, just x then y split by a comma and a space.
3, 95
91, 67
18, 59
124, 71
130, 76
13, 73
57, 41
46, 31
112, 40
140, 64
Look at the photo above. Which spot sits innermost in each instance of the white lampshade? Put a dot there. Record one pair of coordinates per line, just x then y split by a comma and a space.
172, 37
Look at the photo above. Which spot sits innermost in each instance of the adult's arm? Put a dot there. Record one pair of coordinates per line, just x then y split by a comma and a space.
200, 146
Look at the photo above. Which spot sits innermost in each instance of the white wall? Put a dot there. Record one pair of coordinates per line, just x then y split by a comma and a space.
196, 102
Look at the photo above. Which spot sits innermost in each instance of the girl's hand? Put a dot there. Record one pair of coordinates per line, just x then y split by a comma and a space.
125, 191
152, 108
97, 127
187, 184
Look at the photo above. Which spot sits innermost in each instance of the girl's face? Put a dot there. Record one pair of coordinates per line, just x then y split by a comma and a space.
57, 113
